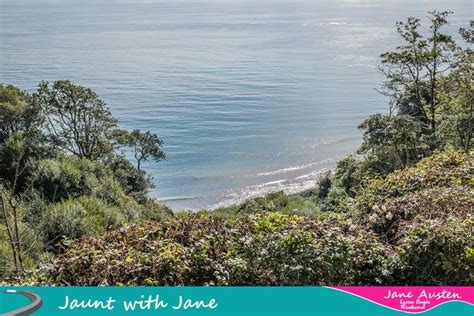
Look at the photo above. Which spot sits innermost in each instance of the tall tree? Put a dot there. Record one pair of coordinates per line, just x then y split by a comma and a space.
396, 141
20, 135
403, 69
441, 47
414, 68
457, 121
16, 113
77, 120
465, 73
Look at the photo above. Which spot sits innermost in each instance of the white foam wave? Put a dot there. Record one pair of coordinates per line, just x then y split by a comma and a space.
297, 185
289, 169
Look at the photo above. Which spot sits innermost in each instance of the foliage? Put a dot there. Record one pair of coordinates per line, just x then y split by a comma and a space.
16, 113
305, 203
143, 145
77, 120
61, 174
437, 252
396, 141
414, 68
134, 182
324, 185
198, 249
444, 170
406, 229
425, 213
348, 175
457, 107
84, 216
429, 82
72, 177
20, 138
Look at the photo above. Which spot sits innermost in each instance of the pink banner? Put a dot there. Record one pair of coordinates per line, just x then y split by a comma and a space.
411, 299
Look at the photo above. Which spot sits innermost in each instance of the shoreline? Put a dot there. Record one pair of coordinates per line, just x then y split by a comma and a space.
290, 186
290, 189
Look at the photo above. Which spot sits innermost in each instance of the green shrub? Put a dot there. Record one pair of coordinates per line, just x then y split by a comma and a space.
413, 227
65, 219
198, 249
71, 177
389, 218
84, 216
436, 252
349, 175
335, 201
305, 203
444, 170
324, 185
6, 262
135, 182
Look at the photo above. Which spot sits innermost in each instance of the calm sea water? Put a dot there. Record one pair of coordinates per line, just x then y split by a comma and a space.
249, 96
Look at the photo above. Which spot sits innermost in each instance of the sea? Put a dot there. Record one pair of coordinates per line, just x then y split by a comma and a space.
249, 96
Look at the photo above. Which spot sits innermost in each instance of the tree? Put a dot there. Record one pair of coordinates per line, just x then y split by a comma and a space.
348, 176
16, 113
57, 146
20, 135
77, 120
458, 111
465, 74
403, 68
324, 186
144, 146
10, 206
11, 201
396, 141
135, 182
414, 68
439, 57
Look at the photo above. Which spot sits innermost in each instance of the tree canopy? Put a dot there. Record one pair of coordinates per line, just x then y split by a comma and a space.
76, 119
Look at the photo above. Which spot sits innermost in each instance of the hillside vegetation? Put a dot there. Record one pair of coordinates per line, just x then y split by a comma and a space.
412, 227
